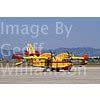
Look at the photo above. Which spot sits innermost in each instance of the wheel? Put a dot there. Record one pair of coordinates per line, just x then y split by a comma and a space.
52, 69
69, 68
44, 70
57, 69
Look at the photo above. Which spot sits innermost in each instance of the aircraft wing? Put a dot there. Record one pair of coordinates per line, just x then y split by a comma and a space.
31, 57
78, 58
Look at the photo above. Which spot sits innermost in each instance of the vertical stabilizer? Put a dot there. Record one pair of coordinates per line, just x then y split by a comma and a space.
31, 49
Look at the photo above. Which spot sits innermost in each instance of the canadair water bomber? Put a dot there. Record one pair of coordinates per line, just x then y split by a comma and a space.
47, 60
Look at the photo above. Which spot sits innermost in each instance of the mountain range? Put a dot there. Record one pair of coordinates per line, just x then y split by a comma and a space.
76, 51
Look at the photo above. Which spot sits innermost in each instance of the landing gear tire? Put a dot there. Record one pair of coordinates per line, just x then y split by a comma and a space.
52, 69
57, 69
44, 70
69, 68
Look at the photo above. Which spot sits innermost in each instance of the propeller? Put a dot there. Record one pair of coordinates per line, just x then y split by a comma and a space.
52, 54
69, 54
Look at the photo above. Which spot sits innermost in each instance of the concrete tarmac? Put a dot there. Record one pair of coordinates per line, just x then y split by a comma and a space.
79, 75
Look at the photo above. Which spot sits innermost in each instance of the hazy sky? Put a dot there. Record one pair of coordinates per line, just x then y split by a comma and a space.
83, 32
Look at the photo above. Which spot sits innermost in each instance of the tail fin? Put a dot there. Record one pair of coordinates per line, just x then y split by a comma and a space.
30, 49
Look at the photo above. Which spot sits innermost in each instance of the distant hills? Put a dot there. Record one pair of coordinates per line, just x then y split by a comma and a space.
76, 51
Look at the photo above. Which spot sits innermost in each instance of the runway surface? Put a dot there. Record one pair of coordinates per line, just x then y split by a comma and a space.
78, 75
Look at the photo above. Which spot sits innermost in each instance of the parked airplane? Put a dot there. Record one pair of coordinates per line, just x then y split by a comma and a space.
44, 60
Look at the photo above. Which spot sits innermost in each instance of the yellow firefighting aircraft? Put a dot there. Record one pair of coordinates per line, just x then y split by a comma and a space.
45, 60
